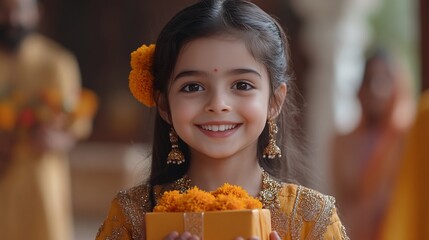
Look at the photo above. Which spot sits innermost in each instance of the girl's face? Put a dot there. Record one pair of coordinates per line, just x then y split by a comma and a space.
219, 97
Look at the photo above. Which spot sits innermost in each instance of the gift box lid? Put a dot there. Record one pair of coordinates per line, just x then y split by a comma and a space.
212, 225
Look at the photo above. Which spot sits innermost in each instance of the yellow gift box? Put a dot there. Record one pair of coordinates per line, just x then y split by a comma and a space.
211, 225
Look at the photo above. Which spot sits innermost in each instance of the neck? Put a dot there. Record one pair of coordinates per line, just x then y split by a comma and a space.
209, 174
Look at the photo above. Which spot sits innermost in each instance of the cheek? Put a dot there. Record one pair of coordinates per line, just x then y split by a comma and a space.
257, 110
181, 112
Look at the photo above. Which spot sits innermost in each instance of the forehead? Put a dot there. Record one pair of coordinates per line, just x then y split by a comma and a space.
221, 52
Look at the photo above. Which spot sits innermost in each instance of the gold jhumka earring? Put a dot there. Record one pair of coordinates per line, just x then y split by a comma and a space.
272, 150
175, 156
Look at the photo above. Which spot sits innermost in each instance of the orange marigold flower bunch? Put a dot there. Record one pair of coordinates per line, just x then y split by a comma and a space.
141, 76
8, 116
226, 197
87, 105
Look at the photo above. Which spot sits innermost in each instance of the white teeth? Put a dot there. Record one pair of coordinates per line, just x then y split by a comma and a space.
218, 128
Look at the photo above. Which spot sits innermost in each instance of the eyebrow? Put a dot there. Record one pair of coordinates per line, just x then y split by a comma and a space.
190, 73
237, 71
243, 71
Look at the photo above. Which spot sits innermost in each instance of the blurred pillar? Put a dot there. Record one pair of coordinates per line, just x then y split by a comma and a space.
424, 42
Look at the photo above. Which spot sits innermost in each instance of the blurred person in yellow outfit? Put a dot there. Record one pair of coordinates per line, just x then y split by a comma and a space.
365, 161
43, 112
408, 211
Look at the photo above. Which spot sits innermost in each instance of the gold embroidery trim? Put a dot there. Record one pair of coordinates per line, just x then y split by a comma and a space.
311, 206
194, 223
135, 210
269, 197
296, 222
343, 233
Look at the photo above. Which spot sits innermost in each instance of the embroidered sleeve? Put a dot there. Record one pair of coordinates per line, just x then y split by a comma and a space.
336, 230
126, 216
314, 217
114, 226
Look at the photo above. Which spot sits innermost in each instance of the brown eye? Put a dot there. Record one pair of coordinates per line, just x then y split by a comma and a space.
243, 86
193, 87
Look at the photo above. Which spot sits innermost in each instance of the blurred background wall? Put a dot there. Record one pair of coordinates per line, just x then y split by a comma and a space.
328, 38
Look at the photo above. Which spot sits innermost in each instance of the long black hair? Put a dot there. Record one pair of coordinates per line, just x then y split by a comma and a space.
265, 40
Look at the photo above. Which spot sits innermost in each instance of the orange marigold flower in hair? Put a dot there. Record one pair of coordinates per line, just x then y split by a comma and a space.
141, 76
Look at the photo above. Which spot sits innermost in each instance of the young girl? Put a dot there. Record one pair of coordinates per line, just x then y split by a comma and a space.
220, 76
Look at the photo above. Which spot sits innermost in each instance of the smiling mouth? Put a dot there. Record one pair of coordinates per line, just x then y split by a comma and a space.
219, 128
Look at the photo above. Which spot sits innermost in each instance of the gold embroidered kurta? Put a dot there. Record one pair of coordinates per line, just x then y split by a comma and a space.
296, 212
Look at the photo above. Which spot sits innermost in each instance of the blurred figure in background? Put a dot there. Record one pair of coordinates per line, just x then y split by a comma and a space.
408, 212
365, 161
43, 112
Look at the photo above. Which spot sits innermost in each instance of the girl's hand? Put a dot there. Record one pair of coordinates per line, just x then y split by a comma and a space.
273, 236
184, 236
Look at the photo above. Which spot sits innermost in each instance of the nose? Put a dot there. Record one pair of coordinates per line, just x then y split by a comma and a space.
218, 102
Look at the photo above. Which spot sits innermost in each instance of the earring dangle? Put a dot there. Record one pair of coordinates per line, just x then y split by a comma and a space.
175, 156
272, 150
